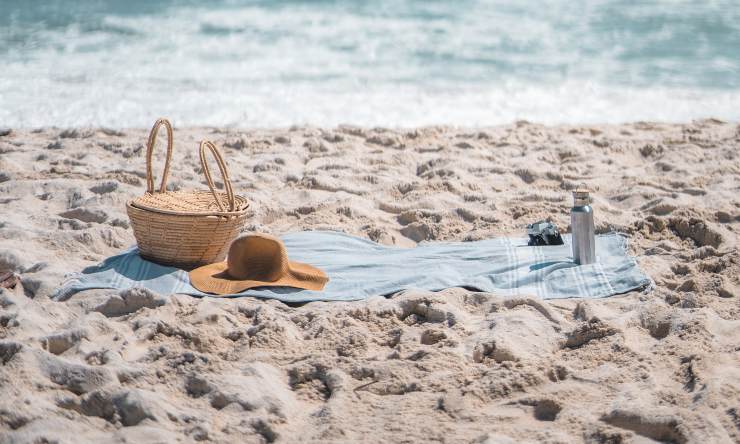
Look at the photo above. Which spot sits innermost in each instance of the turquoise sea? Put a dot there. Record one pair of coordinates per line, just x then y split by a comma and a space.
389, 63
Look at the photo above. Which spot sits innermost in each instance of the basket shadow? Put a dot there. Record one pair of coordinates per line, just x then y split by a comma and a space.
134, 267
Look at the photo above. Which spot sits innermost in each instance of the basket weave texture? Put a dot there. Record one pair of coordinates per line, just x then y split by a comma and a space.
186, 229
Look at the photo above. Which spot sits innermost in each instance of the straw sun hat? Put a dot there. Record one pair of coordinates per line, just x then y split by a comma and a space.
256, 260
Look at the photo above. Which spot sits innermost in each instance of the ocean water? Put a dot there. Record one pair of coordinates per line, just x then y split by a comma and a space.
388, 63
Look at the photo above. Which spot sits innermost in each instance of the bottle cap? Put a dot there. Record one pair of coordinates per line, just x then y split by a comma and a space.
581, 196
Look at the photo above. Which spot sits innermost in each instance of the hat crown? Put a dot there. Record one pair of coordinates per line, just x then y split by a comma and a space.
257, 257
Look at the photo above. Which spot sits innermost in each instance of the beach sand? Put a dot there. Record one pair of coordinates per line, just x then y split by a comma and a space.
453, 366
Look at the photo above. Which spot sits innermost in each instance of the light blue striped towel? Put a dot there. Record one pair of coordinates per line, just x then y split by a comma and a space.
359, 268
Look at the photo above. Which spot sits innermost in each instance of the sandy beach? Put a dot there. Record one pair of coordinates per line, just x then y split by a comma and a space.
450, 366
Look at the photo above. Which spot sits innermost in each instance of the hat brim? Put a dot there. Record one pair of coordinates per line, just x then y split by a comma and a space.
214, 279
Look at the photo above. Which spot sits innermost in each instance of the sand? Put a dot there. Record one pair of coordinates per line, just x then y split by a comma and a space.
453, 366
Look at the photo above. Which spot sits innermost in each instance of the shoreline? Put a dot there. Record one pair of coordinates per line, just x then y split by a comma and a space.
661, 365
340, 126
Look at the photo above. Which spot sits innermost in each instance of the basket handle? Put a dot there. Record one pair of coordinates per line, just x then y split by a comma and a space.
206, 144
150, 149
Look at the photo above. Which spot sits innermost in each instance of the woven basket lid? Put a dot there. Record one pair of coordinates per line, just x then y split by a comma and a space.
194, 203
189, 202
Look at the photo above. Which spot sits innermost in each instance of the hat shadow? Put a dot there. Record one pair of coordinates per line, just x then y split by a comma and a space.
222, 275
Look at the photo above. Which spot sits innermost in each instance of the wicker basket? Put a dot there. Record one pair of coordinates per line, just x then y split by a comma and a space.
185, 228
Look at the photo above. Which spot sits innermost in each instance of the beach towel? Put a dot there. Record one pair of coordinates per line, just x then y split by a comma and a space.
359, 268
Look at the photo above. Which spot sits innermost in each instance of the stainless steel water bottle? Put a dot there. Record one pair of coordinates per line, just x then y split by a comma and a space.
582, 228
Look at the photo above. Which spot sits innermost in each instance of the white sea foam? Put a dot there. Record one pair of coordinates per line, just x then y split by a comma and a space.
387, 64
